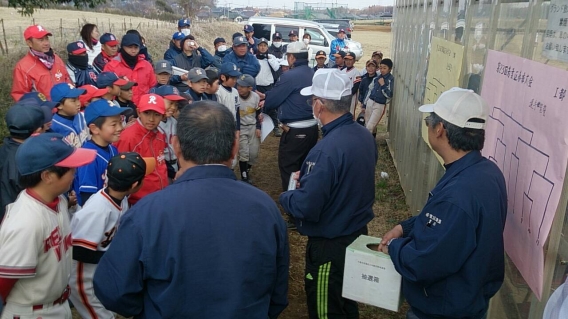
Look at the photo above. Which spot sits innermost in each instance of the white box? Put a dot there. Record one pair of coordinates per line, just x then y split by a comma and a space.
370, 277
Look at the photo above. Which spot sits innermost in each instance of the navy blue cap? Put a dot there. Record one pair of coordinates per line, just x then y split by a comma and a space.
168, 92
65, 90
104, 108
105, 79
277, 35
219, 40
42, 151
230, 69
40, 98
76, 48
178, 36
23, 118
184, 23
108, 39
292, 33
248, 28
130, 39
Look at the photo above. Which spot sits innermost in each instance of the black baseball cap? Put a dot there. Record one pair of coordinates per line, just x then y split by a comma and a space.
23, 118
277, 35
219, 40
127, 168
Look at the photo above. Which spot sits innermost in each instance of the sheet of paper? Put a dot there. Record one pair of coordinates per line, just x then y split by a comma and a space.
267, 127
526, 137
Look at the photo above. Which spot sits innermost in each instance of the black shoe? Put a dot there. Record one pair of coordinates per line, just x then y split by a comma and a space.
291, 226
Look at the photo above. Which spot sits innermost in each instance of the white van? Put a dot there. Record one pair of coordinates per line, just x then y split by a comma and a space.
265, 27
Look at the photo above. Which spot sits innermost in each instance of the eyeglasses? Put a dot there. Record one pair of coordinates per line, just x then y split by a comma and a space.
311, 100
428, 120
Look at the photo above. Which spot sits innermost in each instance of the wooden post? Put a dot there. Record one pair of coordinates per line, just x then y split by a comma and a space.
33, 21
109, 28
97, 21
1, 46
130, 23
124, 25
61, 29
79, 23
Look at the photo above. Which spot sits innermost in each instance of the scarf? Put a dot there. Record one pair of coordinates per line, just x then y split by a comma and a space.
95, 41
128, 59
107, 58
48, 59
79, 61
221, 53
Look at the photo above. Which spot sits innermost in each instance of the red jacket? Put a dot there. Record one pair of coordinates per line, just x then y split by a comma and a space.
31, 75
136, 138
143, 74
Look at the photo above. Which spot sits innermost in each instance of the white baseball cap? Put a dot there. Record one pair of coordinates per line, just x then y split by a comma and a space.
458, 106
331, 84
297, 47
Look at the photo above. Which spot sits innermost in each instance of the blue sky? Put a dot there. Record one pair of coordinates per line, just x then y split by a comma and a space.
359, 4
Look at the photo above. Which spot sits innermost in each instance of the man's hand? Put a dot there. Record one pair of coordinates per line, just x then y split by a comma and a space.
261, 104
362, 110
381, 81
357, 79
261, 95
296, 177
251, 40
72, 199
396, 232
184, 77
257, 133
260, 117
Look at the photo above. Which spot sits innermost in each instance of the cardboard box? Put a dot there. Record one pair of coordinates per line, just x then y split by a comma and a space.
370, 277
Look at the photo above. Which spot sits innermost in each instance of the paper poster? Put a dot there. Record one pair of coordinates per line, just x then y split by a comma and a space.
266, 127
526, 137
444, 70
555, 40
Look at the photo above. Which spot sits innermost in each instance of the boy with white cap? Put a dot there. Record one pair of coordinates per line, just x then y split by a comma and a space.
451, 256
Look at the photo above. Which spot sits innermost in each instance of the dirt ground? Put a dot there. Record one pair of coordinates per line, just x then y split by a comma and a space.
389, 206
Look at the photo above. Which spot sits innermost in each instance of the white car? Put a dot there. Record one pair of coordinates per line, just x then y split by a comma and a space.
265, 27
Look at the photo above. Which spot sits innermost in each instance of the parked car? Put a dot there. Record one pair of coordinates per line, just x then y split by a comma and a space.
265, 27
344, 24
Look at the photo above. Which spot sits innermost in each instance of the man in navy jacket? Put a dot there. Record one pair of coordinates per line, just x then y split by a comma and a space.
451, 255
245, 61
299, 126
337, 190
218, 249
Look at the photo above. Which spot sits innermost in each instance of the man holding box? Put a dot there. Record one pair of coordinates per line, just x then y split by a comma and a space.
451, 255
334, 201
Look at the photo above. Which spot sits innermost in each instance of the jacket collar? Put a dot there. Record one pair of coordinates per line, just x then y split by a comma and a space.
207, 171
340, 121
456, 167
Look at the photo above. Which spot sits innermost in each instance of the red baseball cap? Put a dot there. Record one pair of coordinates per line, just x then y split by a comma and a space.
36, 32
91, 92
152, 102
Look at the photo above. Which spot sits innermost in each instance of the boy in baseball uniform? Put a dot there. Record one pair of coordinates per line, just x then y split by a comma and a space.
104, 120
94, 226
249, 139
35, 237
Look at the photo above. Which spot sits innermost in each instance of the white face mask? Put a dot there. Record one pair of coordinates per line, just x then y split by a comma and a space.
186, 32
277, 44
222, 48
307, 41
317, 117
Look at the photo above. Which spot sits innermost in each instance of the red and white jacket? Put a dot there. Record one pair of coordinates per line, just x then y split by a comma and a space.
31, 75
143, 74
136, 138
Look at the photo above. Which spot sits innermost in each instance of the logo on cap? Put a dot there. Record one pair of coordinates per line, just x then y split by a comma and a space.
40, 28
110, 103
164, 64
71, 86
80, 44
234, 67
176, 91
41, 97
198, 72
242, 77
152, 100
241, 39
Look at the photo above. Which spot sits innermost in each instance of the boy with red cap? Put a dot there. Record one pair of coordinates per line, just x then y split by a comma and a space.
35, 237
40, 69
169, 124
80, 72
144, 138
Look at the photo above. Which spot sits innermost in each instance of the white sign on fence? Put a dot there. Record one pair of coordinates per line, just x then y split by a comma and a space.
555, 41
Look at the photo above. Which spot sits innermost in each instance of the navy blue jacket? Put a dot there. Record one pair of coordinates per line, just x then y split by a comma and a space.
383, 93
286, 94
218, 58
219, 249
337, 181
171, 53
83, 76
247, 64
451, 256
364, 86
9, 175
